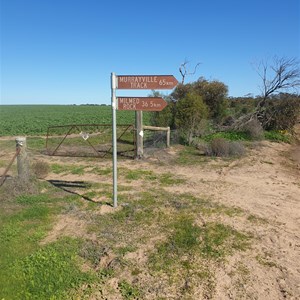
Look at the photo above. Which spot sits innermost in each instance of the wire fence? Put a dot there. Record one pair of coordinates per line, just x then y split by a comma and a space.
89, 140
3, 176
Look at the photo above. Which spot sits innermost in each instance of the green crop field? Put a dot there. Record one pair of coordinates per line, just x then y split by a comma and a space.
35, 119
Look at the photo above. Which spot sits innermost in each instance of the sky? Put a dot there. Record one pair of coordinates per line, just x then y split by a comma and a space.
63, 51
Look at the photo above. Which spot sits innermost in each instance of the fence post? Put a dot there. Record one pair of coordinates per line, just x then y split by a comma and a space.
22, 159
168, 137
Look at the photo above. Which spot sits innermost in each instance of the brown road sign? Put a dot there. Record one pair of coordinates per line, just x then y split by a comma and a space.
141, 103
146, 82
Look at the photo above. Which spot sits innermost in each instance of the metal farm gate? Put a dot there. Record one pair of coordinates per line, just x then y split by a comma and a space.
90, 140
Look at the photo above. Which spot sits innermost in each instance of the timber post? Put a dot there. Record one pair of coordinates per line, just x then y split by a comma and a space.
22, 158
139, 134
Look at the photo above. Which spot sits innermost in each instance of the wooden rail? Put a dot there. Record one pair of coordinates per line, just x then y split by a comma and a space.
167, 129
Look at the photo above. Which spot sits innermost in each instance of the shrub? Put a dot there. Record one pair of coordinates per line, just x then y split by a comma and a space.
254, 130
228, 121
190, 113
164, 118
236, 149
203, 147
219, 147
282, 114
40, 169
223, 148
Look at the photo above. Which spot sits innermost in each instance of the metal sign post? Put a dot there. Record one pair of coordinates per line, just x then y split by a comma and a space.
114, 136
138, 104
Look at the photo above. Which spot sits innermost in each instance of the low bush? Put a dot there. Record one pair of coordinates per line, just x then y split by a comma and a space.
236, 149
254, 130
219, 147
40, 169
223, 148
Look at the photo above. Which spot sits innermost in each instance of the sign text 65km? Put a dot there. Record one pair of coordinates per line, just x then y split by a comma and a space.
146, 82
141, 103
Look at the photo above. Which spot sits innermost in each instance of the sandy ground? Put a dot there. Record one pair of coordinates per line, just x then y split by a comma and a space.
266, 185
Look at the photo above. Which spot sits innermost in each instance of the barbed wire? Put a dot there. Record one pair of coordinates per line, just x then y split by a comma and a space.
3, 176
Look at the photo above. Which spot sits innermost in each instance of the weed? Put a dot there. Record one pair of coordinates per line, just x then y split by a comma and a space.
277, 136
101, 171
169, 179
126, 249
73, 169
33, 199
219, 240
184, 240
264, 260
77, 170
92, 251
57, 168
213, 241
215, 208
9, 231
138, 174
49, 272
90, 194
256, 219
128, 291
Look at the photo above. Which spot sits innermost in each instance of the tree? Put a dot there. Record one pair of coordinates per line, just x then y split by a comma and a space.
166, 117
183, 70
190, 112
282, 75
214, 94
282, 112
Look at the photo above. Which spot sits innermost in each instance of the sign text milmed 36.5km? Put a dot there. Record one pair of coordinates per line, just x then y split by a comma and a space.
147, 82
141, 103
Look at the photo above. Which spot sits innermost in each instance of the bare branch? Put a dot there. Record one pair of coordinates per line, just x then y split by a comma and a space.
284, 74
184, 71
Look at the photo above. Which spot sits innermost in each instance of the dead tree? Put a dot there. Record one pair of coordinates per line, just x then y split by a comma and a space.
184, 70
283, 74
